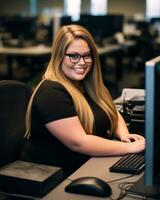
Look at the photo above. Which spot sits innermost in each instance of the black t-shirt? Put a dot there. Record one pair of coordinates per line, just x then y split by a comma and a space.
52, 102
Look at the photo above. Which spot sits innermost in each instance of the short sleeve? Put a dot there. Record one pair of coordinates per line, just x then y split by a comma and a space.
53, 102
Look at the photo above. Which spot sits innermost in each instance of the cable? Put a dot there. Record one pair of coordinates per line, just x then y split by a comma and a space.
119, 179
122, 193
137, 196
121, 196
122, 186
125, 186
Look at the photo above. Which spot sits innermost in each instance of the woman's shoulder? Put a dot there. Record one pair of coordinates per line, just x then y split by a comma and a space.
48, 86
53, 101
51, 89
52, 84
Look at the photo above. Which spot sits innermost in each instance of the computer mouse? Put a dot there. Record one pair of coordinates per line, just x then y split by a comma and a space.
90, 186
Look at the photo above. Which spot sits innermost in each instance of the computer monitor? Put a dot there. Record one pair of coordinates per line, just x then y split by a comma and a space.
102, 26
65, 20
155, 20
149, 185
20, 26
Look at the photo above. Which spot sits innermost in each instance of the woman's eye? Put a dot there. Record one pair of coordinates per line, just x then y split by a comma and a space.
87, 56
74, 56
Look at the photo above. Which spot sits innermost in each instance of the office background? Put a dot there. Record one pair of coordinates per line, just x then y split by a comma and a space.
123, 67
127, 7
123, 55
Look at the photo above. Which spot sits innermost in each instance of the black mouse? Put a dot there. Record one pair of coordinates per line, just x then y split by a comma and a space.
90, 186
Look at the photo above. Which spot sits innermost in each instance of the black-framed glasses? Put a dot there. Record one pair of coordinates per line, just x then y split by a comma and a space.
75, 57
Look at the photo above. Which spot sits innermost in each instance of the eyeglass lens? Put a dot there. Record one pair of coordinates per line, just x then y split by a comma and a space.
75, 58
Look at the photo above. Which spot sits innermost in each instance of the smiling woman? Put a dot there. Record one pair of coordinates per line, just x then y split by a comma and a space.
77, 61
71, 115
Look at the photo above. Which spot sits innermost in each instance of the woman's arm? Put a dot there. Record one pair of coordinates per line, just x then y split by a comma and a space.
71, 133
122, 132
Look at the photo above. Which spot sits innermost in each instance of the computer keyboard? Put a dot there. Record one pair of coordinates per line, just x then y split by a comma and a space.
130, 164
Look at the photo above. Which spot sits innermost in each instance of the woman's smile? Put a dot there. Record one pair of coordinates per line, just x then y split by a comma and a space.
77, 62
80, 70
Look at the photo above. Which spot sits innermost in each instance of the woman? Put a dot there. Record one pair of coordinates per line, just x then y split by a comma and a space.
71, 115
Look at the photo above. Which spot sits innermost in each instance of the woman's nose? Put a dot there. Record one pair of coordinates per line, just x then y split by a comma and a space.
81, 61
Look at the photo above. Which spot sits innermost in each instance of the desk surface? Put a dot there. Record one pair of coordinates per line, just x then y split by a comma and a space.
29, 51
42, 49
98, 167
109, 48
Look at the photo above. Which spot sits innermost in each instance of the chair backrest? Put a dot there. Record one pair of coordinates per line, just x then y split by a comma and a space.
14, 98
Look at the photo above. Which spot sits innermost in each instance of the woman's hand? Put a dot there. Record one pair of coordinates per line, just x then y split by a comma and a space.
131, 138
137, 145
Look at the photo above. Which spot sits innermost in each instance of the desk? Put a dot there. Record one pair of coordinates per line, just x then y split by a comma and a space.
12, 52
116, 50
42, 50
31, 51
98, 167
109, 48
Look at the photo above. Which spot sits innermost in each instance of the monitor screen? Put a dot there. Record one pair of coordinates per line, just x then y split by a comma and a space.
20, 26
152, 121
149, 185
155, 20
102, 26
65, 20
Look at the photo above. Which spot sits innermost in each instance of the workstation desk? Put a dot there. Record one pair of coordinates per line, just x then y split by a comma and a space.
116, 51
109, 48
41, 51
97, 167
34, 52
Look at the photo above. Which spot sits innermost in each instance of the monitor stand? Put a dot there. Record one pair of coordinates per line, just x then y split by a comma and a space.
139, 188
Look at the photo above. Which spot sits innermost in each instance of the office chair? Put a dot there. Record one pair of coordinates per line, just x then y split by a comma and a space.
14, 98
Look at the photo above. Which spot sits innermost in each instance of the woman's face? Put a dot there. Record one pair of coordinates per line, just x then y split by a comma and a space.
77, 61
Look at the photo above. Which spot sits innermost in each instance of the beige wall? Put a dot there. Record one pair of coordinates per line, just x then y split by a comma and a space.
22, 6
11, 7
49, 4
127, 7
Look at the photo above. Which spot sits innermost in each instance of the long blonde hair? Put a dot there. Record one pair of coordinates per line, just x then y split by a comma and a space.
93, 83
